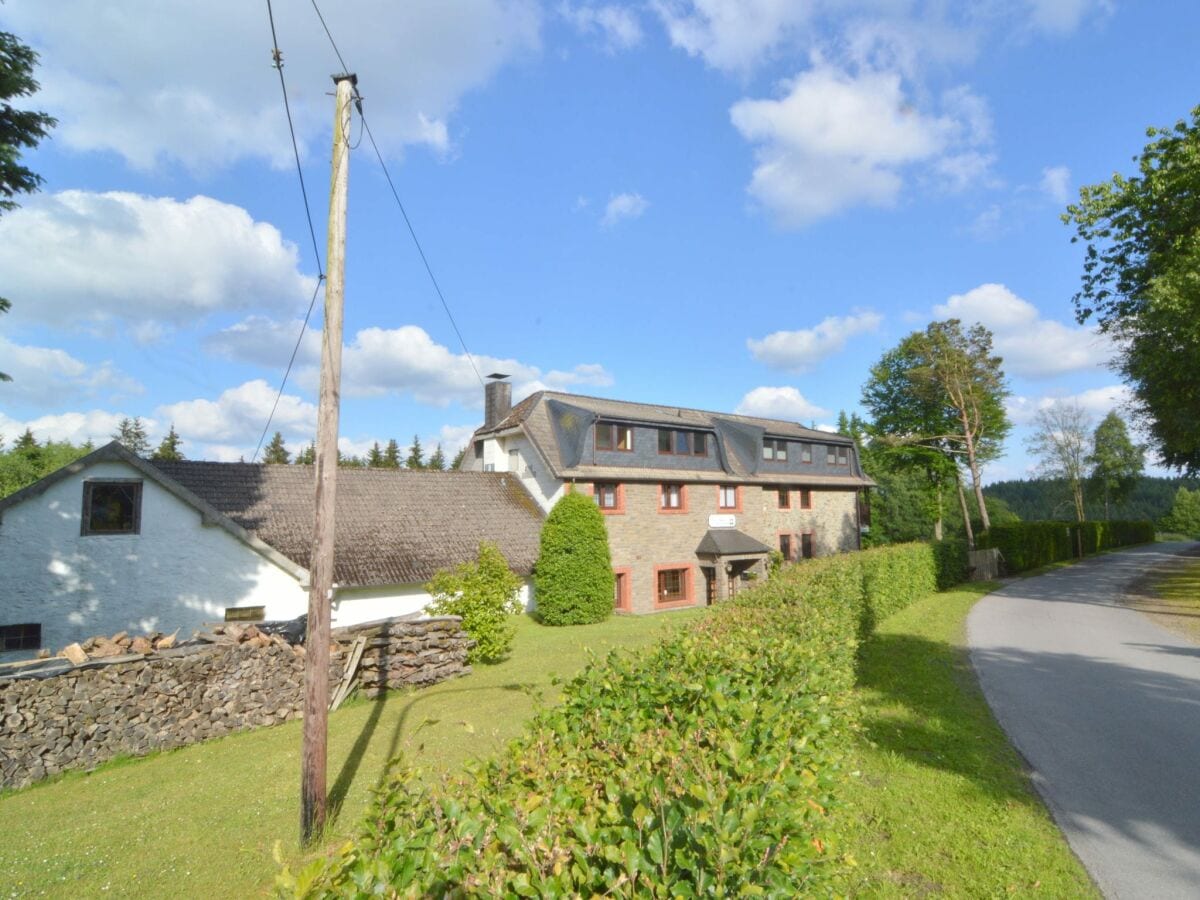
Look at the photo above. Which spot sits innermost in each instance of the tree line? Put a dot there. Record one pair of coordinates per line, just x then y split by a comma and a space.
385, 457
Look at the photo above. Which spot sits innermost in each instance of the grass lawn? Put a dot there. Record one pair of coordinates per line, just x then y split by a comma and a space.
202, 821
942, 804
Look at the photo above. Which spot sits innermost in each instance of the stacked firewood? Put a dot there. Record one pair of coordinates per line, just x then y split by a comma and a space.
233, 633
120, 644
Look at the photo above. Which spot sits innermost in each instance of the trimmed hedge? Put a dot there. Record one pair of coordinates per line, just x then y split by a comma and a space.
1029, 545
707, 766
573, 576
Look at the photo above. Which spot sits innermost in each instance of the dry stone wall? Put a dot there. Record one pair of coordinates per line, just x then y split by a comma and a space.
82, 716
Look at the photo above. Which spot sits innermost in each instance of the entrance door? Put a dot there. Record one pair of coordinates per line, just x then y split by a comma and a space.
710, 584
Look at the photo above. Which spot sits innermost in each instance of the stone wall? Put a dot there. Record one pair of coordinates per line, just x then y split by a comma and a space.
80, 717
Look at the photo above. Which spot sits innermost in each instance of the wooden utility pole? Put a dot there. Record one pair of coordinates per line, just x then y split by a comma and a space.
320, 592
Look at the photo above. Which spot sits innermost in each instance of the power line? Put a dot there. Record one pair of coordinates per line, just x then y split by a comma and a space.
396, 195
277, 57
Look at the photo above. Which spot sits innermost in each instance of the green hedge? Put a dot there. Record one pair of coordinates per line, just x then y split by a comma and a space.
709, 765
1028, 545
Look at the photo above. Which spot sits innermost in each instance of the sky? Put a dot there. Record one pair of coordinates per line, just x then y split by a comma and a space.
732, 206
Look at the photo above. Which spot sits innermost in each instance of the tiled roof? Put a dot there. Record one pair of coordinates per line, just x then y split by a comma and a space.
394, 526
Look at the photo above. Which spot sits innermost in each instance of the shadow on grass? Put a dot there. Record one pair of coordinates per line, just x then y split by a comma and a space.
930, 710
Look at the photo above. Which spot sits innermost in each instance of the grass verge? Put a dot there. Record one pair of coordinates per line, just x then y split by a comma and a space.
1170, 597
202, 821
943, 804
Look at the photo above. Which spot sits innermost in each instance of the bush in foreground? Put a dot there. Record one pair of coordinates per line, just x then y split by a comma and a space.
484, 594
707, 766
573, 576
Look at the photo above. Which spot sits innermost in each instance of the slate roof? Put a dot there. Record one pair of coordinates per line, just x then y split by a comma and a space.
394, 526
557, 423
729, 542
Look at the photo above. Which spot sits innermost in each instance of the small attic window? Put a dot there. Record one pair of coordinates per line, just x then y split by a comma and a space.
112, 507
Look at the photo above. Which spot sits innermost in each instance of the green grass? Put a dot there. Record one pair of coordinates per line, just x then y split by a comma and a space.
202, 821
942, 804
1182, 586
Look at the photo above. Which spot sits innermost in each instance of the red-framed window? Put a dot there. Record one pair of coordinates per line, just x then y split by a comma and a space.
775, 449
784, 497
610, 496
808, 545
729, 498
610, 436
674, 442
673, 586
787, 545
806, 498
672, 498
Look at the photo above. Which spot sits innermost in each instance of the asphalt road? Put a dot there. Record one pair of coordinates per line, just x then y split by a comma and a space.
1105, 707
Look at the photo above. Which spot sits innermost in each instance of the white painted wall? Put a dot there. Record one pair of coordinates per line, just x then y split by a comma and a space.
354, 605
531, 467
178, 573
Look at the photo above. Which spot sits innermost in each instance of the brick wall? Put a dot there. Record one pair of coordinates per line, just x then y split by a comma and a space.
643, 539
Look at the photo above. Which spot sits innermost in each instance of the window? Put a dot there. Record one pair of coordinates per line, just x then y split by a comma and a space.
245, 613
728, 497
807, 545
805, 498
673, 586
21, 637
837, 456
785, 498
479, 449
775, 449
806, 453
613, 437
112, 507
785, 546
682, 443
609, 496
672, 498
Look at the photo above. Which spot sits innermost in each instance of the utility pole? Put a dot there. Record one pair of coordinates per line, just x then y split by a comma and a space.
313, 795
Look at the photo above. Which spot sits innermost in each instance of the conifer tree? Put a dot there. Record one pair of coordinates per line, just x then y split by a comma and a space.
437, 461
276, 453
375, 457
391, 455
132, 435
416, 456
168, 450
458, 458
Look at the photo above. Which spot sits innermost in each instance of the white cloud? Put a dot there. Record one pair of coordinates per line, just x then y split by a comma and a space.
733, 36
45, 376
624, 206
618, 25
1032, 347
1064, 16
1097, 402
779, 403
96, 426
237, 416
142, 260
1056, 183
798, 351
265, 342
836, 140
157, 94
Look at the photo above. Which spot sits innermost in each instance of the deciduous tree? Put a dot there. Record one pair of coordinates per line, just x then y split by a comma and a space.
942, 389
1141, 282
1116, 461
1060, 441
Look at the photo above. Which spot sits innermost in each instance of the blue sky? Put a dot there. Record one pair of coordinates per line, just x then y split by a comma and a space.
724, 205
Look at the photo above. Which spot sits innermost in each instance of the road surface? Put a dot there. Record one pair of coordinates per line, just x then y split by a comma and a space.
1105, 707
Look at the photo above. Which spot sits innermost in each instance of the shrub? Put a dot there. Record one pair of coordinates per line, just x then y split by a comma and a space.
950, 558
573, 576
484, 594
708, 765
1029, 545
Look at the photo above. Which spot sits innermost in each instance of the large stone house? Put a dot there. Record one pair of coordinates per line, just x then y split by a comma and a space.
115, 543
694, 501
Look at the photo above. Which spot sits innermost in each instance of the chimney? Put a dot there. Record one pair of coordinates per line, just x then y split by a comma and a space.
497, 400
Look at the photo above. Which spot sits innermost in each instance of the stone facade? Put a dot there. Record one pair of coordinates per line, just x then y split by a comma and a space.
86, 715
644, 539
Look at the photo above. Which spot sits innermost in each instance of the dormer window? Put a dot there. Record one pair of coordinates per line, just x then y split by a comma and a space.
775, 450
111, 507
682, 443
837, 456
613, 437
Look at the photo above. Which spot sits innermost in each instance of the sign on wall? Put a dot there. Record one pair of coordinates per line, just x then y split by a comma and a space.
722, 520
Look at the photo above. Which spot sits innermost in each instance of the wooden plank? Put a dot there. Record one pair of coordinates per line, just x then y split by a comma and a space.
351, 670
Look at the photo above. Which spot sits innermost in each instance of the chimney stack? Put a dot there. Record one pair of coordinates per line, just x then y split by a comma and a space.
497, 400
